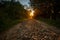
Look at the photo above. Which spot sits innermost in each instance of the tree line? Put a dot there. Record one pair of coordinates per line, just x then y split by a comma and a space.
46, 8
10, 12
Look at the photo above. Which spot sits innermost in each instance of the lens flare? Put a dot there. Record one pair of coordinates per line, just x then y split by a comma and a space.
31, 14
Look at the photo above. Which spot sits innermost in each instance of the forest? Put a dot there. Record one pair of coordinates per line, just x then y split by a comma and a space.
10, 13
47, 11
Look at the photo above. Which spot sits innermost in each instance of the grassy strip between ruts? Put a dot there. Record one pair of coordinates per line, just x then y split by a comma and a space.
51, 22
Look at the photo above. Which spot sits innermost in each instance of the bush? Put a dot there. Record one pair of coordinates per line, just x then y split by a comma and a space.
10, 14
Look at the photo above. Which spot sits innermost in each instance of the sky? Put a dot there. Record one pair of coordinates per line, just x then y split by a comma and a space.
24, 2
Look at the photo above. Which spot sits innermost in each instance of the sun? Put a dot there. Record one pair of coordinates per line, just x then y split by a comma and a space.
31, 13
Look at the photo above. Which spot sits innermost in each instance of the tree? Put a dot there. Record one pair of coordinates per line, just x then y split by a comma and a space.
47, 7
9, 14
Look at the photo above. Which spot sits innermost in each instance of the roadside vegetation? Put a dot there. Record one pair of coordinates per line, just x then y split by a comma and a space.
47, 11
55, 23
11, 13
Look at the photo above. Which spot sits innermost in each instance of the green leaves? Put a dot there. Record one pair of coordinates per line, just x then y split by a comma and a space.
10, 13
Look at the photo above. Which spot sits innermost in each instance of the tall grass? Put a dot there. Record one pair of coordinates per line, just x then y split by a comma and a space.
51, 22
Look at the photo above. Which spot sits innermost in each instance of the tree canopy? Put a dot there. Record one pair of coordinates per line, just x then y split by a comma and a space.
10, 12
48, 8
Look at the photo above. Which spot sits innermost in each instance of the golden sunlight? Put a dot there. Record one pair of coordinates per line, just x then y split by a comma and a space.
31, 13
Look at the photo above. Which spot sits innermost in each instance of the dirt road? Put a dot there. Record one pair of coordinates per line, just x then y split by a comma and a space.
31, 30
